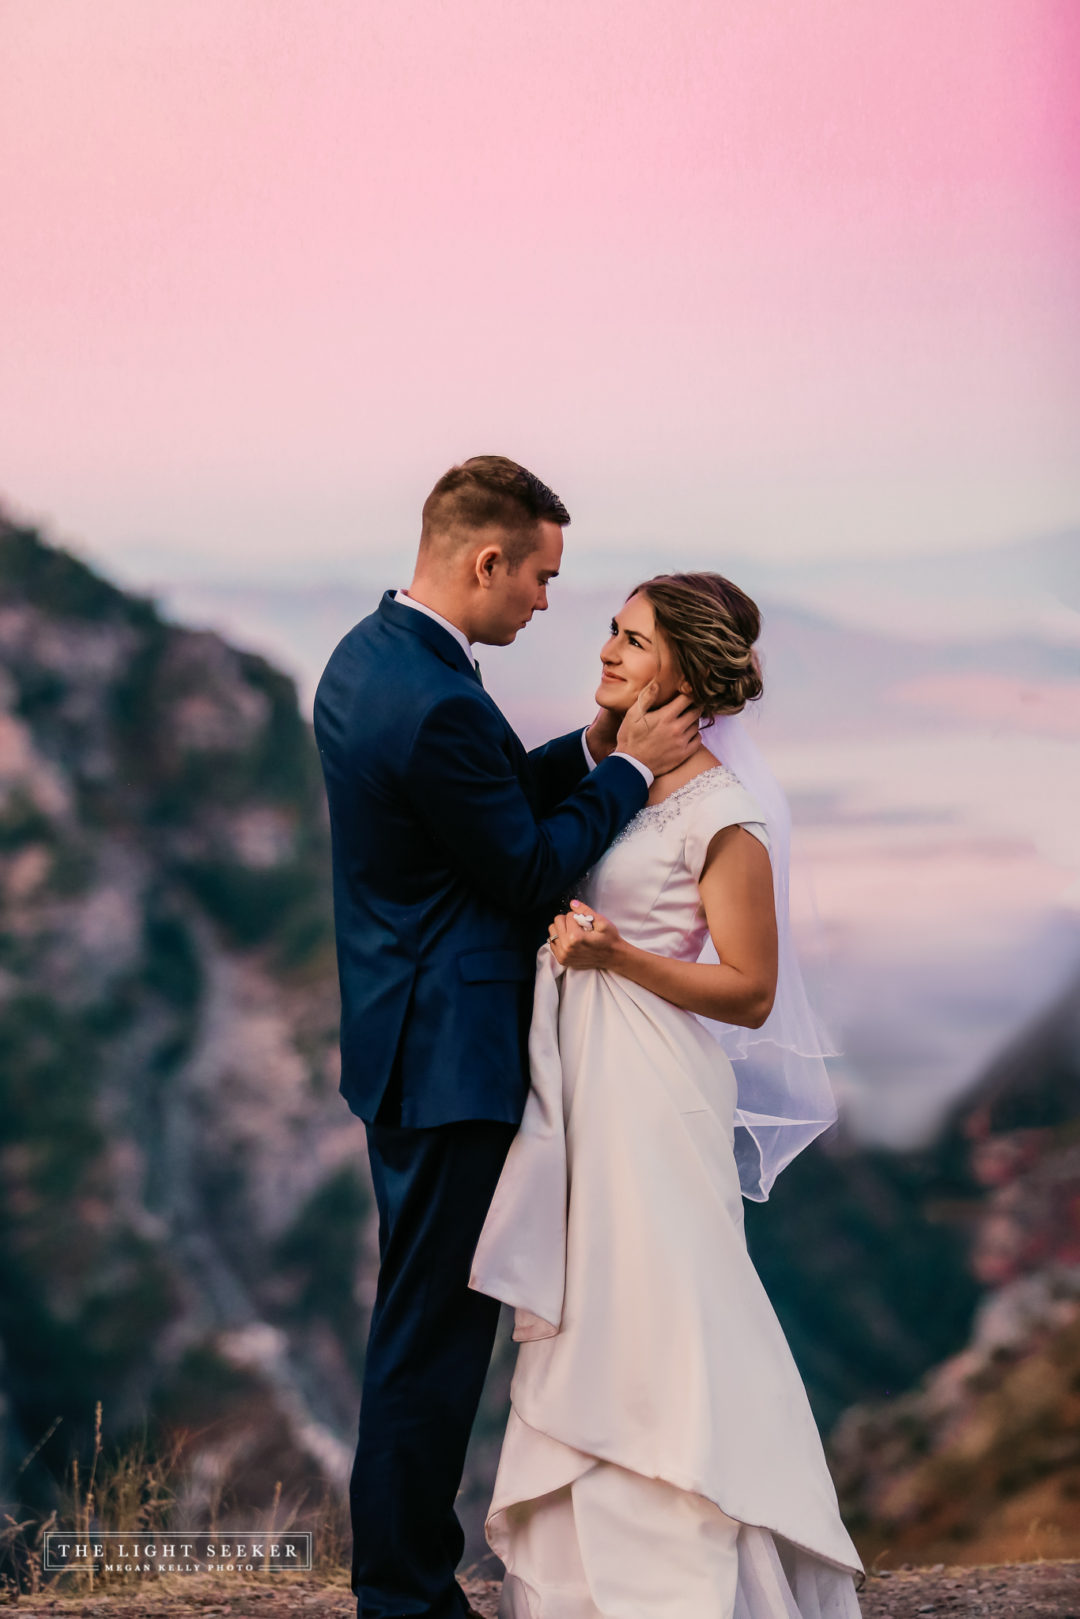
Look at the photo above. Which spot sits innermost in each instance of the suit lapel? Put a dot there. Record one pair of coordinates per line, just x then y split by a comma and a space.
452, 653
440, 641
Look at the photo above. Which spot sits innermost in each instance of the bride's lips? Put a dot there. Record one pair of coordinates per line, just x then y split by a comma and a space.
607, 675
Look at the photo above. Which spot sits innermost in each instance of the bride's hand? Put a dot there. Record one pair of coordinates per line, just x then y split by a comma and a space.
575, 946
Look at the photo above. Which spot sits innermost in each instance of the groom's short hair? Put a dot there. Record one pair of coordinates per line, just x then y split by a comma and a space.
490, 491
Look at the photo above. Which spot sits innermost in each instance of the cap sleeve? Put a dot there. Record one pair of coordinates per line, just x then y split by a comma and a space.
727, 805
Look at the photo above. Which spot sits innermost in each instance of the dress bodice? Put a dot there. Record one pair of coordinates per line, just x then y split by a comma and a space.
647, 881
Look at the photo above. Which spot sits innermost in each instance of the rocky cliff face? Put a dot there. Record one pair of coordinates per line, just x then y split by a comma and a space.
981, 1460
185, 1204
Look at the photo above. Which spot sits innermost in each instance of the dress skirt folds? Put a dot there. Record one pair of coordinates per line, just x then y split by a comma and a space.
661, 1460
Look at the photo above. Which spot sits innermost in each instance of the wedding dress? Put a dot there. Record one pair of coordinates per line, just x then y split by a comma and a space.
660, 1460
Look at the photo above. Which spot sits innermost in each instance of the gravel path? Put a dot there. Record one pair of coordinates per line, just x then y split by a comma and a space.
1001, 1591
997, 1591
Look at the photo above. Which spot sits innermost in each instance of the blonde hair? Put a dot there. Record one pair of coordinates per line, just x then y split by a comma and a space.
711, 626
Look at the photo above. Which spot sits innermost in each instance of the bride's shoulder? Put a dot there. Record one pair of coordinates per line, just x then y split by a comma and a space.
720, 800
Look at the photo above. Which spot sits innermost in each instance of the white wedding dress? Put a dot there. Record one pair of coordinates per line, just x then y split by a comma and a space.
661, 1460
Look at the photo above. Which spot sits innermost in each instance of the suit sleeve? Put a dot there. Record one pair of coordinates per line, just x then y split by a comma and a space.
462, 787
557, 768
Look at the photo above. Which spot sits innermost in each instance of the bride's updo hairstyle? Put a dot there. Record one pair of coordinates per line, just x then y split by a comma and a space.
711, 626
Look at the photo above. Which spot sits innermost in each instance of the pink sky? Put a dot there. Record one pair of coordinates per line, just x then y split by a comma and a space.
1039, 707
802, 275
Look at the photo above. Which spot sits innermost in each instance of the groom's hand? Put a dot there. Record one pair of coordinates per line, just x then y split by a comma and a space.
602, 734
661, 738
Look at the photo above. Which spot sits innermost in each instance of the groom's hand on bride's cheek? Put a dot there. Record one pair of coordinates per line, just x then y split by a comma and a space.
573, 945
662, 738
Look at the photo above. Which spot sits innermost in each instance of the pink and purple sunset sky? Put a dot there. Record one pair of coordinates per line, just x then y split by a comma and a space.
791, 281
800, 277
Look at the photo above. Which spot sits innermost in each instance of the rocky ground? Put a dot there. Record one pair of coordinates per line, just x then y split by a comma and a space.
1044, 1590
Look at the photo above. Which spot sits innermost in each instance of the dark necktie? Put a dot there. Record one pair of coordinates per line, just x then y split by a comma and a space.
479, 676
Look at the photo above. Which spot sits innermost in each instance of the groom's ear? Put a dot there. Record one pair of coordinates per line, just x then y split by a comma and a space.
485, 565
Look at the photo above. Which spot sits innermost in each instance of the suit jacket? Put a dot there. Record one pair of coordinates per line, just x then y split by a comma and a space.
452, 848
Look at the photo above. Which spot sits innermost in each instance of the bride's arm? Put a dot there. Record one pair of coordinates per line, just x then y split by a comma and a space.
737, 894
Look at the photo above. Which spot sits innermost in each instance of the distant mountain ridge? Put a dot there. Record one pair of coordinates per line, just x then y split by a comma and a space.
820, 667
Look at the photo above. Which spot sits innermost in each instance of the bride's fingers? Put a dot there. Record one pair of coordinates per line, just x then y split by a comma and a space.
586, 919
568, 937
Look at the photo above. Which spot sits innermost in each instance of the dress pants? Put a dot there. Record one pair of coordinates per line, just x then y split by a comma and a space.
428, 1351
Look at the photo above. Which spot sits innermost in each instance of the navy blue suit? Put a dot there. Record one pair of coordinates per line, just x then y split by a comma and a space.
452, 848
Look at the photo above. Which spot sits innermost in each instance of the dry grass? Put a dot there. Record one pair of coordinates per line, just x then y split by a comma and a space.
138, 1491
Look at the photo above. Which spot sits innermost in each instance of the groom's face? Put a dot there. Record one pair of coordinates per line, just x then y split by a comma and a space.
511, 597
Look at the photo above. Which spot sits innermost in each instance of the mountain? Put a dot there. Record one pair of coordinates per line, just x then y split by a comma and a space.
980, 1461
185, 1209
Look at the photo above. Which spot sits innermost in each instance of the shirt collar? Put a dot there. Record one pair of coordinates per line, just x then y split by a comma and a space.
459, 635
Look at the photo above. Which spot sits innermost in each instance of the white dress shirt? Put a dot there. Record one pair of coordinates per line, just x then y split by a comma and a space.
460, 637
463, 641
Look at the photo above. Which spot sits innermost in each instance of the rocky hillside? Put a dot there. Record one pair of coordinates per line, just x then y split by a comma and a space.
981, 1460
184, 1195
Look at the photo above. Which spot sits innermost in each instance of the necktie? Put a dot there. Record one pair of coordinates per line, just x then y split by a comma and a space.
479, 676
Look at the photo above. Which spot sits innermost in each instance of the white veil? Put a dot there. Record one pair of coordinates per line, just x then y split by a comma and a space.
785, 1098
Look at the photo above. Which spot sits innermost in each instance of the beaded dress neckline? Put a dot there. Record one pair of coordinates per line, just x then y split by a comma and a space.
666, 809
702, 775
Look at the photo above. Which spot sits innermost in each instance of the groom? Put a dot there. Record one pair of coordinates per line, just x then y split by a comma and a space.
452, 847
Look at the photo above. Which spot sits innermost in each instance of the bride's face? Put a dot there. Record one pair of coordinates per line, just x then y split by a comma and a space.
636, 653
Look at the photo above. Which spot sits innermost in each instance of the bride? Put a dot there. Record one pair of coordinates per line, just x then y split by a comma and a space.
661, 1460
